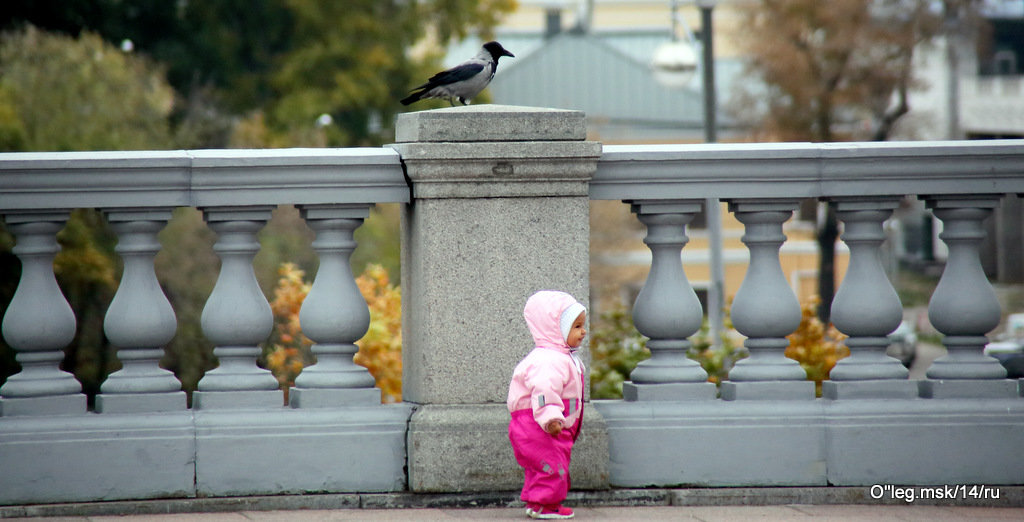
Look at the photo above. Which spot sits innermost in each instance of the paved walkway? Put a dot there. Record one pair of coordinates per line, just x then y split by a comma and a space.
684, 504
797, 512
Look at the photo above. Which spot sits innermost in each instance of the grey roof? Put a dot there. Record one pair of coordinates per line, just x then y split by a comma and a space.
605, 74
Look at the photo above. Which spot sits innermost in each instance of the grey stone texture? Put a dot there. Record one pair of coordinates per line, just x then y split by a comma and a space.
465, 283
500, 210
491, 123
465, 447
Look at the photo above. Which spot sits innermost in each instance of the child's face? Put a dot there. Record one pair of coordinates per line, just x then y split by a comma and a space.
577, 333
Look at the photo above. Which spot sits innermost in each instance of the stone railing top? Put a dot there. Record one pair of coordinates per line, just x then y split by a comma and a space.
803, 170
200, 178
496, 151
476, 123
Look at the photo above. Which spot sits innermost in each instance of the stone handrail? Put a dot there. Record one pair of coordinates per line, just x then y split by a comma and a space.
496, 207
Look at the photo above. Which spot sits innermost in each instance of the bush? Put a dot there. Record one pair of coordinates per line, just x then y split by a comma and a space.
815, 346
616, 347
380, 350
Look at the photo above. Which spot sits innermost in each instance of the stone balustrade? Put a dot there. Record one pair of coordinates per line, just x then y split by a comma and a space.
496, 201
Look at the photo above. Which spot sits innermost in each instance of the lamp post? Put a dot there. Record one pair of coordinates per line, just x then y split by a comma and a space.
674, 64
716, 294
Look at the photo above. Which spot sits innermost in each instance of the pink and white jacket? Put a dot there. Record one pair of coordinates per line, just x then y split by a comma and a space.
550, 378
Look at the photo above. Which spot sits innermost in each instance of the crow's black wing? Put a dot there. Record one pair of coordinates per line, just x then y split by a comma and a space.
458, 73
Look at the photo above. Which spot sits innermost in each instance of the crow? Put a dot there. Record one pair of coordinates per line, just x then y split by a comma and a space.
464, 81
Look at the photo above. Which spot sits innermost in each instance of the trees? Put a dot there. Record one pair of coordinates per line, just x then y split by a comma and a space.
277, 64
835, 71
155, 74
61, 93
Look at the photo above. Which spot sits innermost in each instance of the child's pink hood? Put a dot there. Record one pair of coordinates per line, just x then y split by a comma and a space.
543, 315
551, 373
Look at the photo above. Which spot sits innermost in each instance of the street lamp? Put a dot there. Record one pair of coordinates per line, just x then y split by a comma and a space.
674, 64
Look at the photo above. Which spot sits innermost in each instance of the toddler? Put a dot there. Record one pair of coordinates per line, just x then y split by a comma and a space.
545, 399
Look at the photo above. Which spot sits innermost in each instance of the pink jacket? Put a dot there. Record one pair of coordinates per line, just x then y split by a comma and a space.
552, 372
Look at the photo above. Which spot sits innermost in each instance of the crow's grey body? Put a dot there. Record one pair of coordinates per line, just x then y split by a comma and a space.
464, 81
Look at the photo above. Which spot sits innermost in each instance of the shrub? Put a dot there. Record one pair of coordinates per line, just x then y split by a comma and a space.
815, 346
616, 347
380, 350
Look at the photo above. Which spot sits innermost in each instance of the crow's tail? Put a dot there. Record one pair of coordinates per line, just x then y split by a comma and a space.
414, 97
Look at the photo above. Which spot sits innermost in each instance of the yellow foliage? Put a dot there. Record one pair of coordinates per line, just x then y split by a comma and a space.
289, 349
816, 347
380, 350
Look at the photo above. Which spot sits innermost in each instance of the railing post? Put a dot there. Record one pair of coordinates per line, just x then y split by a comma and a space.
38, 324
765, 309
140, 322
964, 308
334, 315
867, 309
500, 209
667, 310
237, 317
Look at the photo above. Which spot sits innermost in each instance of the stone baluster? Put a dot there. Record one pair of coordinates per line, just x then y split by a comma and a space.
38, 324
667, 310
334, 315
867, 309
765, 310
140, 322
964, 307
237, 317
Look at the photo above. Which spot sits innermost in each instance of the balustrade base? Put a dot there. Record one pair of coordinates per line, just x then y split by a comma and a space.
969, 388
356, 448
140, 402
52, 405
681, 391
814, 443
768, 390
88, 458
870, 389
464, 447
227, 400
332, 398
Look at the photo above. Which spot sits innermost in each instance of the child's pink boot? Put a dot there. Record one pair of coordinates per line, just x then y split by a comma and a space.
556, 512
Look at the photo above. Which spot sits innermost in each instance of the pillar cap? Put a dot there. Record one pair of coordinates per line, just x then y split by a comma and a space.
475, 123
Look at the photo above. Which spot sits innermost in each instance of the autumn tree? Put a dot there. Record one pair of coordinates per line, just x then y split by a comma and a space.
380, 350
835, 71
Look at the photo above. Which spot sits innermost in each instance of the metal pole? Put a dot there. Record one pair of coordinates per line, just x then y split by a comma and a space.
707, 47
716, 293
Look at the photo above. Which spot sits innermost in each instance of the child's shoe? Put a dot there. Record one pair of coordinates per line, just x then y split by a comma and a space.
532, 509
553, 513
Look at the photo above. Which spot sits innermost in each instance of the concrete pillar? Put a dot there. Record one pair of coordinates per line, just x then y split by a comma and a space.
667, 310
140, 322
964, 307
765, 310
500, 209
38, 324
237, 317
334, 315
867, 308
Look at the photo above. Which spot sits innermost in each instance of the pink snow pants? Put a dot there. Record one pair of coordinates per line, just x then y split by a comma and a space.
544, 457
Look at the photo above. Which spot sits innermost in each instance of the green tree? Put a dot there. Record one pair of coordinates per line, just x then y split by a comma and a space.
279, 64
61, 93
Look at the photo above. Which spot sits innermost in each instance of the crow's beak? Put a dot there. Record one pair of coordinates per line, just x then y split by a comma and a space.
504, 52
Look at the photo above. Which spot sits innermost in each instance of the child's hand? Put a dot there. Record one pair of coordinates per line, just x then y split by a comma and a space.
554, 427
